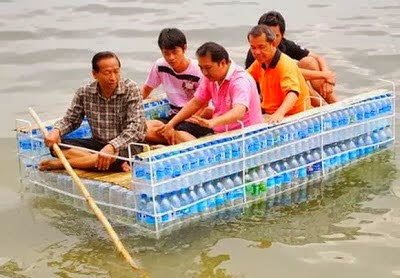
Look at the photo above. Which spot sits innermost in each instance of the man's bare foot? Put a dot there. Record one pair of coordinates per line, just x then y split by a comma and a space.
125, 167
155, 147
50, 164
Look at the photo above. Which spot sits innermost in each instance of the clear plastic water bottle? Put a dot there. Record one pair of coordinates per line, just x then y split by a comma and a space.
317, 166
310, 125
287, 179
351, 146
375, 139
229, 186
193, 159
185, 163
220, 199
278, 177
238, 194
270, 186
194, 209
152, 209
369, 144
337, 151
210, 191
236, 149
202, 206
165, 207
352, 112
360, 146
344, 157
176, 167
175, 203
302, 172
326, 161
294, 164
335, 120
270, 139
327, 121
142, 207
360, 112
185, 202
367, 111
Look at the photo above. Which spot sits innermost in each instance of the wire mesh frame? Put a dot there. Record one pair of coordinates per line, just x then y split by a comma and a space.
322, 153
245, 157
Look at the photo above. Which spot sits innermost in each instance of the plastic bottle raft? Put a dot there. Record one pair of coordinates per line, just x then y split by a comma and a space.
178, 184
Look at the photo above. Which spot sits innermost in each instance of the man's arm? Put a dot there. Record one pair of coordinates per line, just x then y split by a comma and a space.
236, 113
146, 90
186, 112
287, 104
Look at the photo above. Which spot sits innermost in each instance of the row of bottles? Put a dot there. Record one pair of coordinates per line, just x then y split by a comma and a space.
30, 143
192, 201
156, 109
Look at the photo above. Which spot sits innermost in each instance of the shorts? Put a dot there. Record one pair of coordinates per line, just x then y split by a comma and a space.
93, 144
194, 129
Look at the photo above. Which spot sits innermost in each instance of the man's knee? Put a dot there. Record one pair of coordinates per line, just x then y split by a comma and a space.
309, 62
153, 124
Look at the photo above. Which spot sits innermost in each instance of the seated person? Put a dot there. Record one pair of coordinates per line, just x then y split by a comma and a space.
231, 90
114, 110
313, 66
179, 76
283, 88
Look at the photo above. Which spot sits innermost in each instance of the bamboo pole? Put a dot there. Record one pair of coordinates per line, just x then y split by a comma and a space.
117, 242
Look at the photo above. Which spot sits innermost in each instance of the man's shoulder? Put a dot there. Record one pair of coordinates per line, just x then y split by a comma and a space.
128, 83
161, 62
293, 49
89, 87
286, 61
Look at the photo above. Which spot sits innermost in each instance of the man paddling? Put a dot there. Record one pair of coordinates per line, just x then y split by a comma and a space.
114, 109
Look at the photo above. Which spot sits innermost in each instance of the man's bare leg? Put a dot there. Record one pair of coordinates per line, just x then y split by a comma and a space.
84, 162
152, 136
311, 63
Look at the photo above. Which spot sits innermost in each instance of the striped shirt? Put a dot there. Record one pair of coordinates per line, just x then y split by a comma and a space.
118, 120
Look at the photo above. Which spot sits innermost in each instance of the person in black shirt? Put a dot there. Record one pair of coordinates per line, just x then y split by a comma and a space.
313, 67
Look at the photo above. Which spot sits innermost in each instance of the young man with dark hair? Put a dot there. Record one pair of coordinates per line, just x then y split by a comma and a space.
313, 66
232, 91
283, 88
114, 110
179, 77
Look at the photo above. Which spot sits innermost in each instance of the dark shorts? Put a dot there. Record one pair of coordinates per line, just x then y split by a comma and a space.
194, 129
93, 144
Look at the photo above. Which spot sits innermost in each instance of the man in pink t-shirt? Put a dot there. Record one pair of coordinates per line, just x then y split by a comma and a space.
231, 89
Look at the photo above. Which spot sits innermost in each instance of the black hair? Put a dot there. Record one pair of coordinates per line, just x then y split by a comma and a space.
216, 51
273, 18
103, 55
170, 38
258, 30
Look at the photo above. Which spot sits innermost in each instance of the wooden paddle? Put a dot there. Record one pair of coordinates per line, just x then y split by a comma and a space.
89, 199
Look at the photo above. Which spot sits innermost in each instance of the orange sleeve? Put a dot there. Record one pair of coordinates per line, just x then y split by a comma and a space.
290, 80
254, 70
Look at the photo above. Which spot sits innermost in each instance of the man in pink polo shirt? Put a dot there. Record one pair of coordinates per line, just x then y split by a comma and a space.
231, 89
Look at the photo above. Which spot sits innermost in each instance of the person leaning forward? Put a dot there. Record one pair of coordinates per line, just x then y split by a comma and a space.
115, 114
283, 88
231, 90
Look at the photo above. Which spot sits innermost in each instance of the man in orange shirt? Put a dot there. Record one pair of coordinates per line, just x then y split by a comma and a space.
283, 88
